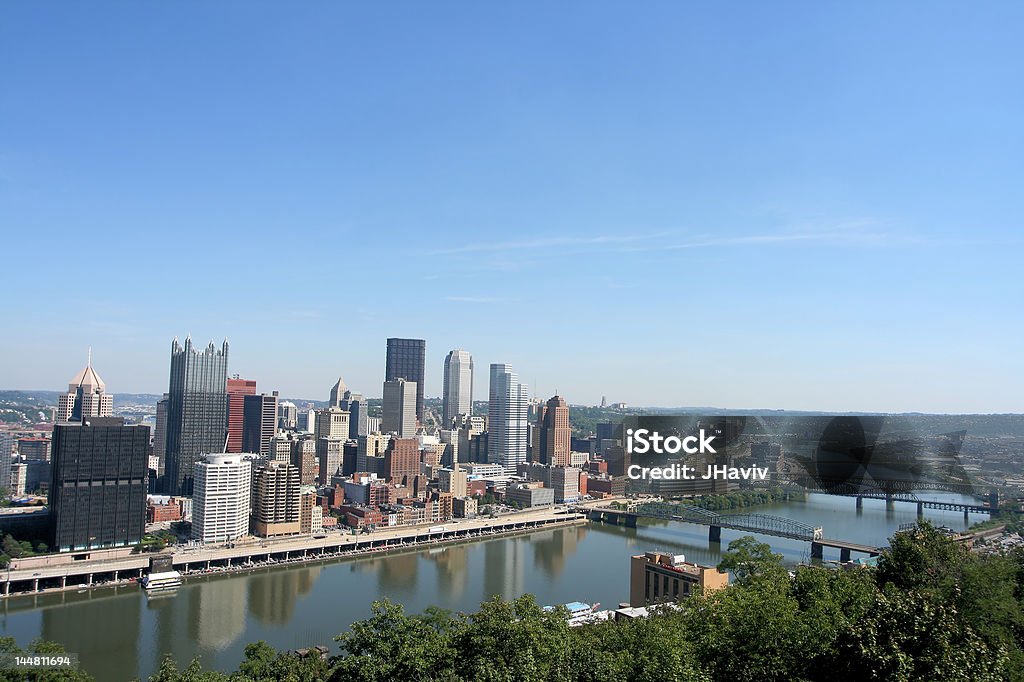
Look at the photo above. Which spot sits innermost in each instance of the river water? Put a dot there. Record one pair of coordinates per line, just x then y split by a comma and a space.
121, 633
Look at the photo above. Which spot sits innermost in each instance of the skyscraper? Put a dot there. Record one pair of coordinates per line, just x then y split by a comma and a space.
86, 397
406, 359
275, 499
259, 423
98, 484
399, 410
355, 403
506, 419
237, 390
458, 386
554, 432
222, 500
337, 393
330, 433
196, 410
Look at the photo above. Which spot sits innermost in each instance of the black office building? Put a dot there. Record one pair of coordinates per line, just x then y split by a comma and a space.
197, 409
406, 360
98, 484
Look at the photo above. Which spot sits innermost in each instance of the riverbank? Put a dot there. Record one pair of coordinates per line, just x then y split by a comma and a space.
240, 557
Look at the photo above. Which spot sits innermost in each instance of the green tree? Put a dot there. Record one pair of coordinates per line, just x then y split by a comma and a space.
747, 558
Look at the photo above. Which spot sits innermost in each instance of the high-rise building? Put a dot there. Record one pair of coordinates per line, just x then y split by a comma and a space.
355, 404
275, 499
406, 359
310, 513
402, 460
98, 484
287, 416
160, 431
458, 386
399, 414
554, 433
86, 397
221, 498
304, 459
337, 393
237, 390
196, 410
506, 418
331, 432
259, 423
657, 577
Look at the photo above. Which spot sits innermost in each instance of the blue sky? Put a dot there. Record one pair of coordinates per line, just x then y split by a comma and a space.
781, 205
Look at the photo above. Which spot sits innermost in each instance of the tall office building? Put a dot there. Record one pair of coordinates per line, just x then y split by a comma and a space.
6, 450
237, 389
287, 416
86, 397
196, 410
259, 423
331, 432
304, 459
458, 387
406, 359
275, 499
337, 393
160, 430
402, 460
399, 413
221, 498
506, 419
98, 484
554, 433
355, 404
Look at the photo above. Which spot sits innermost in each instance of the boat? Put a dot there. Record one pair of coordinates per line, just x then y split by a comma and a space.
167, 580
580, 613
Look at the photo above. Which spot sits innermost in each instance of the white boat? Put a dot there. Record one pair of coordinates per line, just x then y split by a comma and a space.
168, 580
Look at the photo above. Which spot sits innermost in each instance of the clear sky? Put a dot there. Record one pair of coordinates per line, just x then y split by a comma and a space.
783, 205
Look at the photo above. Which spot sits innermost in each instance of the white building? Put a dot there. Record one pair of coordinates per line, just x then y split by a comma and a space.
399, 408
506, 419
458, 386
221, 498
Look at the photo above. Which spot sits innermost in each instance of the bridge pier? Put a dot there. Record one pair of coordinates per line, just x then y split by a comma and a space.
817, 551
630, 521
966, 517
889, 502
844, 554
920, 510
714, 533
860, 503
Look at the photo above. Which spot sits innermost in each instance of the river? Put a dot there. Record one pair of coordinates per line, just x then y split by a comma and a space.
121, 633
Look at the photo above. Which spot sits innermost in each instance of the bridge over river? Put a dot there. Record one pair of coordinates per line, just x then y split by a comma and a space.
760, 524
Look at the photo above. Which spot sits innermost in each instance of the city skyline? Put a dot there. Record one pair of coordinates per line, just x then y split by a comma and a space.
768, 230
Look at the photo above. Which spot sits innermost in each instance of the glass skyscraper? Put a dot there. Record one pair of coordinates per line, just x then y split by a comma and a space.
197, 406
406, 360
506, 419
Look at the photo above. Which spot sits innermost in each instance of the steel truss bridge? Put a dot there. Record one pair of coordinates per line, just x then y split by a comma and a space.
900, 491
765, 524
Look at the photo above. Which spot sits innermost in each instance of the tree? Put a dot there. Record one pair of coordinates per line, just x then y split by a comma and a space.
747, 558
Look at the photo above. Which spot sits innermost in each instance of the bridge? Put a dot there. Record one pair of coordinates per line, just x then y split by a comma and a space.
901, 491
763, 524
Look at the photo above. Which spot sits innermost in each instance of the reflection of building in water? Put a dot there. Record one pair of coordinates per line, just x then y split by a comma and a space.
396, 574
272, 595
451, 572
503, 567
104, 633
553, 548
217, 608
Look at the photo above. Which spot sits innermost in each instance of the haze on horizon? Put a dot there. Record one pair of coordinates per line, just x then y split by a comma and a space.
666, 205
